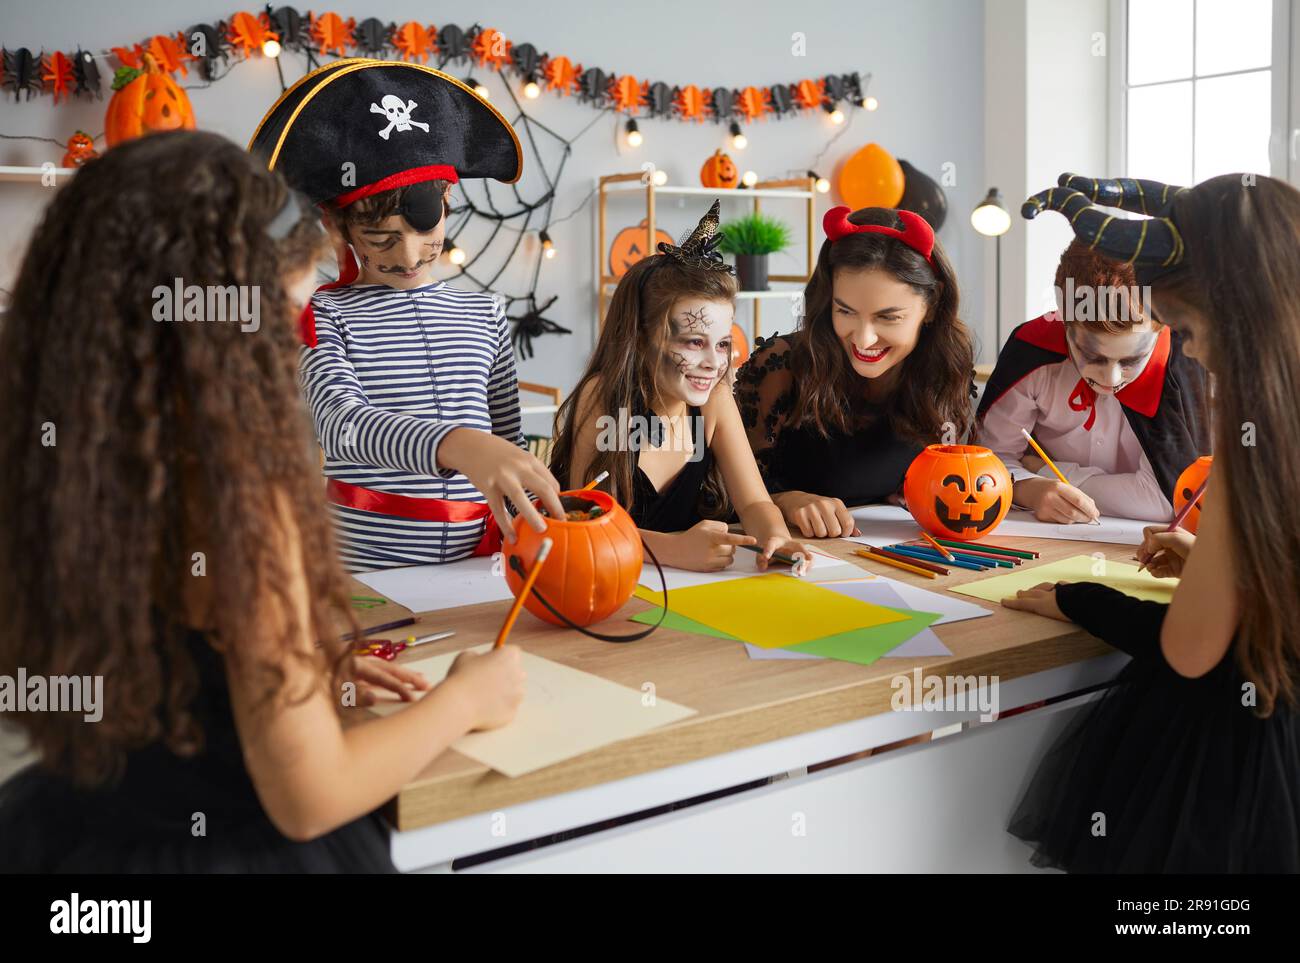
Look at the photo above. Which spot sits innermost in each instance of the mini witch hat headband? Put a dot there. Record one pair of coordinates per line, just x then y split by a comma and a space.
699, 248
916, 232
359, 126
1152, 244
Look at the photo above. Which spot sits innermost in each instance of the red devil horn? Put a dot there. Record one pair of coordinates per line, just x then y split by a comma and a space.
836, 222
917, 233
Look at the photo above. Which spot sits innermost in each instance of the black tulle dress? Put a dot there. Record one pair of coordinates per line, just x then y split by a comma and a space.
145, 823
1187, 778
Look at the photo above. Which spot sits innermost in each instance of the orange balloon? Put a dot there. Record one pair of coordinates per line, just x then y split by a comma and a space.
739, 347
871, 178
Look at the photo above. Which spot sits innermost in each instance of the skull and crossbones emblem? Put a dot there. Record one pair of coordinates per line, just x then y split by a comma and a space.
398, 114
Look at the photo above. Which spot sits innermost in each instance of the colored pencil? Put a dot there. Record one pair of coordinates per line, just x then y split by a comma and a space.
979, 558
991, 555
400, 623
595, 481
1048, 462
542, 551
930, 561
886, 560
368, 598
999, 549
412, 640
937, 547
928, 555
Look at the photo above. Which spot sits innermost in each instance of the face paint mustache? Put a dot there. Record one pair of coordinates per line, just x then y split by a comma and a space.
398, 269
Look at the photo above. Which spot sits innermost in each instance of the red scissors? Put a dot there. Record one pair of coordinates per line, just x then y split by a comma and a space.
381, 649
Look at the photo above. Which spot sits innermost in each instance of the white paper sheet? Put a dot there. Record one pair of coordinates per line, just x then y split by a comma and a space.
565, 713
886, 524
825, 568
429, 588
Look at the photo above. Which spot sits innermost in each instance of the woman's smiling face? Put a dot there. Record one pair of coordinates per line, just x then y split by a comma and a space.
698, 352
877, 319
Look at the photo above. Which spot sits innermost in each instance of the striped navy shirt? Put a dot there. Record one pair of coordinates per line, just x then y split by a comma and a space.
392, 373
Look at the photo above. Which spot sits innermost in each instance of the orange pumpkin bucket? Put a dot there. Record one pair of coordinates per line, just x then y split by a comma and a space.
594, 565
957, 491
1190, 480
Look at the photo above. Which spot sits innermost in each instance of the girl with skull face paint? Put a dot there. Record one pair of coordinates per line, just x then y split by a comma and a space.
655, 410
1106, 390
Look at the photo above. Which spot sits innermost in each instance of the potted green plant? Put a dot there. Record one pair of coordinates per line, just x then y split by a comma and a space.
751, 239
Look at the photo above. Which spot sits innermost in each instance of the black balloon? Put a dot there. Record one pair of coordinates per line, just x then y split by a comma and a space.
922, 195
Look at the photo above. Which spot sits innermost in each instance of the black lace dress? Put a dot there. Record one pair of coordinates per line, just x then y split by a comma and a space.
1164, 774
682, 502
860, 467
147, 822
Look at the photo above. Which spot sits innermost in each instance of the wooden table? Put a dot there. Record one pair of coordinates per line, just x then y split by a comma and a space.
756, 720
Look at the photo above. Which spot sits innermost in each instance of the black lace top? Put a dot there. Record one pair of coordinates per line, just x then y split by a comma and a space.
860, 467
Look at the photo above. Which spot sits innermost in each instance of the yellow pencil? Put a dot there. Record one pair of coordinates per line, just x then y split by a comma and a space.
595, 481
889, 561
937, 547
1048, 462
542, 551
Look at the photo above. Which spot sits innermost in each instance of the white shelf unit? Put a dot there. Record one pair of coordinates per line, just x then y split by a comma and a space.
34, 175
636, 182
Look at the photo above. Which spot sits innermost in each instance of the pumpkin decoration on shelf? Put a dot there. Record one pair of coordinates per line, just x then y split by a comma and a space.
81, 148
626, 249
957, 491
594, 565
1190, 480
719, 171
146, 101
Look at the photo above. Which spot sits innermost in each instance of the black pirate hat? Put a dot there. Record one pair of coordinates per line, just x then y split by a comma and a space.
359, 126
1153, 245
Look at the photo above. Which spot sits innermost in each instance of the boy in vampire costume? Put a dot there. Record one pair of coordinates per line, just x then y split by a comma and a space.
410, 382
1101, 384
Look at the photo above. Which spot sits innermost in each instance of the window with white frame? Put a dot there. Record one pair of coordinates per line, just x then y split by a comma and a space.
1197, 88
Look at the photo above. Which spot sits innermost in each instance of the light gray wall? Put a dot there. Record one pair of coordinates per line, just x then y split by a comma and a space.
927, 57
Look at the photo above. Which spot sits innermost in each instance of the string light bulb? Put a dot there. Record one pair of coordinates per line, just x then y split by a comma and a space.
836, 115
822, 185
659, 177
634, 138
548, 246
455, 255
870, 103
738, 139
531, 90
749, 179
478, 87
271, 47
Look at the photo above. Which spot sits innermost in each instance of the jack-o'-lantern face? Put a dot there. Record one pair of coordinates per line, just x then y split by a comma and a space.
629, 247
957, 491
1188, 482
719, 171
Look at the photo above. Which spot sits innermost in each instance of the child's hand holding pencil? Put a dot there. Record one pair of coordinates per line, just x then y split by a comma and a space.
1164, 553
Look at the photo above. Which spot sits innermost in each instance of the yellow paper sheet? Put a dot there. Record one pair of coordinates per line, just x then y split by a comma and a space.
773, 611
1080, 568
565, 713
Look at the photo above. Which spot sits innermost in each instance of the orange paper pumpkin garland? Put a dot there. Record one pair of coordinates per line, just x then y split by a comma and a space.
957, 491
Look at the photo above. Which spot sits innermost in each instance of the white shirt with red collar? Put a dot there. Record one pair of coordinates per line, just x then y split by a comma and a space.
1086, 434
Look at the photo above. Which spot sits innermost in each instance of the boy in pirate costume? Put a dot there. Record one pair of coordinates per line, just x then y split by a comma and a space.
1101, 384
411, 383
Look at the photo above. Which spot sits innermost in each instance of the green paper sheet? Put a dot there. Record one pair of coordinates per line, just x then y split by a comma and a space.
1079, 568
863, 646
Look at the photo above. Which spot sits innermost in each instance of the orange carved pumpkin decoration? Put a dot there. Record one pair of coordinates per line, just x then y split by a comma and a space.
1190, 480
719, 171
739, 347
594, 563
626, 249
147, 101
81, 148
957, 491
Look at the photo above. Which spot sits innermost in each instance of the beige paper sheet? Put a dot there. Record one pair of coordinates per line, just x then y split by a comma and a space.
565, 713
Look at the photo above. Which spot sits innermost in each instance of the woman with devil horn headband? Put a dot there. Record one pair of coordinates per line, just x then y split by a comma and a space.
1192, 753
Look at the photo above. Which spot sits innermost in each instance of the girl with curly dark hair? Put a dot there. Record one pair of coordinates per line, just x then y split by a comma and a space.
163, 529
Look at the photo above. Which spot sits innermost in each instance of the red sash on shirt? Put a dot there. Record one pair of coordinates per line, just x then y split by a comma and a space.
419, 509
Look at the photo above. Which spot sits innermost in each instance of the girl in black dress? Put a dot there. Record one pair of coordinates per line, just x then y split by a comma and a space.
880, 367
163, 530
1191, 760
655, 410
